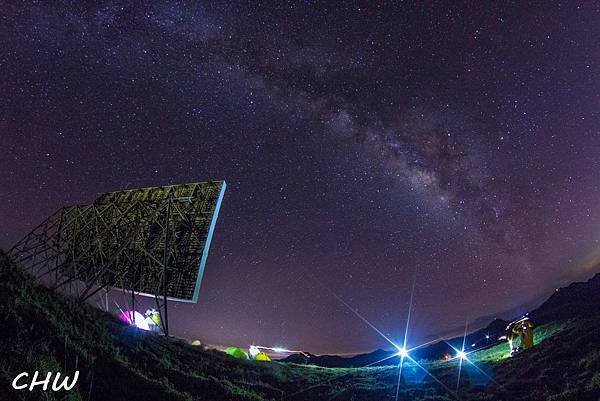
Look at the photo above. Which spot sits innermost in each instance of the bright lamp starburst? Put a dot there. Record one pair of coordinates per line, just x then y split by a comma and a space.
403, 352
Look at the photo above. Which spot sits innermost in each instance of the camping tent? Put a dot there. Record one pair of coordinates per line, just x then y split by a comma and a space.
236, 352
134, 318
261, 356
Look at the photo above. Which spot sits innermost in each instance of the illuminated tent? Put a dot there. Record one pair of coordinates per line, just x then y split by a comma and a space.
236, 352
261, 356
196, 343
134, 318
153, 320
153, 317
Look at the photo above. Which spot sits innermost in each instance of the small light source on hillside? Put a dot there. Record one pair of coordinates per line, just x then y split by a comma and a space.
461, 355
253, 351
403, 352
487, 337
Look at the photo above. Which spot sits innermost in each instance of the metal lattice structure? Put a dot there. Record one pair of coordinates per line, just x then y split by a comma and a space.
150, 241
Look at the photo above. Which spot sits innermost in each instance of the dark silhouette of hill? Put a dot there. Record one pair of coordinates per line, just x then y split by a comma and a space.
576, 299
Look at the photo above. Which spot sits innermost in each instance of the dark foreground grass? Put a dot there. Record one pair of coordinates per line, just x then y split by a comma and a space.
44, 331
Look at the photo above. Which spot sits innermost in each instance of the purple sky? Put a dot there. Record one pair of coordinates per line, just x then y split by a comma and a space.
362, 146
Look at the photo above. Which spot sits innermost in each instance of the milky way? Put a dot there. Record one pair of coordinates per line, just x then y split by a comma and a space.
363, 146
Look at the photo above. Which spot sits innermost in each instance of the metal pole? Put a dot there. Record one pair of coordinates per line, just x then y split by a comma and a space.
133, 301
165, 271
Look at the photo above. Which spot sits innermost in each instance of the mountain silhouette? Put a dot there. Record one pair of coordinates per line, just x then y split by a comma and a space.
576, 300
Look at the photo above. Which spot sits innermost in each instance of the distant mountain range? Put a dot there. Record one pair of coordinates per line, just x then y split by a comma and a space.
485, 337
577, 299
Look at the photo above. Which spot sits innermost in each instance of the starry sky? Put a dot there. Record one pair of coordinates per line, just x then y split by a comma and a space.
366, 146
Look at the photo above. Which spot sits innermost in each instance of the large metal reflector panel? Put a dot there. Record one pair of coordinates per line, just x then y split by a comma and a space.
176, 222
153, 241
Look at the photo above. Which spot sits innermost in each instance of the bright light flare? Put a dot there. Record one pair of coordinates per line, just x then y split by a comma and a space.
463, 356
403, 352
277, 350
253, 351
460, 354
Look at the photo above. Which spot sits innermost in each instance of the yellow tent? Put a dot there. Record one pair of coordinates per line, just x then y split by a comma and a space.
196, 343
261, 356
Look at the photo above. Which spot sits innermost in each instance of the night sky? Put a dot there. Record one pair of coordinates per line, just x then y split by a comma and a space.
363, 146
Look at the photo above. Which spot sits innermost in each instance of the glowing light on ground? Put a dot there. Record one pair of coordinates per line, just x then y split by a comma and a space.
463, 357
253, 351
403, 352
134, 318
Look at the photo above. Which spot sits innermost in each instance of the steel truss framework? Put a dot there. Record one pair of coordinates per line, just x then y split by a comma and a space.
152, 241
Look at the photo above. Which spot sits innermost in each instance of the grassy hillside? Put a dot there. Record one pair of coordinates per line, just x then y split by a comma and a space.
46, 332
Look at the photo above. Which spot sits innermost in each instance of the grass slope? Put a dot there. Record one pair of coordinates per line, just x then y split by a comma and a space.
44, 331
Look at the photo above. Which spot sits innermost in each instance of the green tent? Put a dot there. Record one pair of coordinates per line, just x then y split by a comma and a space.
236, 352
